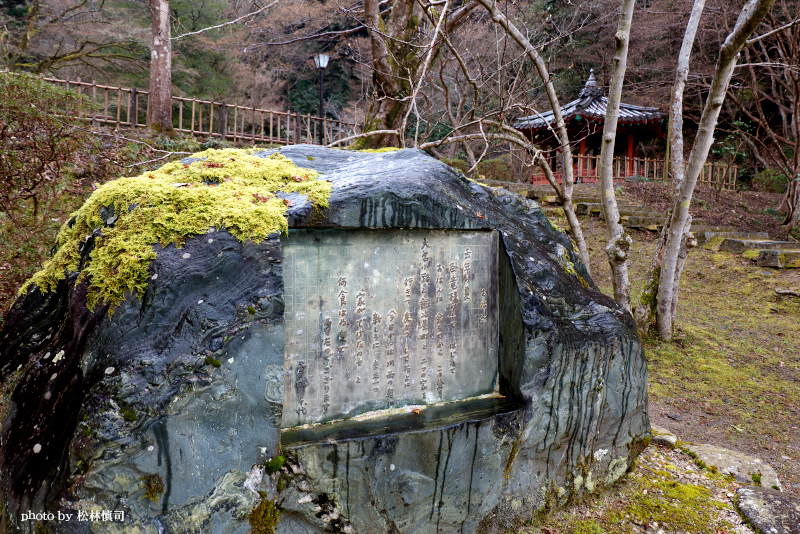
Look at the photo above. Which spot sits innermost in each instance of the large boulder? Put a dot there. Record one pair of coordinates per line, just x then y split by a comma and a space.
165, 415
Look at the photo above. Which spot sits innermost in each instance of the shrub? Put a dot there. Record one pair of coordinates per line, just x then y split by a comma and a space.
770, 181
37, 140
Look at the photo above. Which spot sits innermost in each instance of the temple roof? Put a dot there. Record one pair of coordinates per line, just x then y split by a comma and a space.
591, 105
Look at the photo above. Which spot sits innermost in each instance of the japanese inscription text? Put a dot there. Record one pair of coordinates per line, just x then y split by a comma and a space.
383, 318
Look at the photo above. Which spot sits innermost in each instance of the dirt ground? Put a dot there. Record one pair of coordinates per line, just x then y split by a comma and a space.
747, 211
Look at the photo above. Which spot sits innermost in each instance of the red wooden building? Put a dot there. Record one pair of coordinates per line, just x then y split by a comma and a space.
584, 118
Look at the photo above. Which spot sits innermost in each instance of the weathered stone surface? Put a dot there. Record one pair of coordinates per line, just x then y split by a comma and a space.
769, 511
663, 437
98, 403
781, 259
742, 466
737, 246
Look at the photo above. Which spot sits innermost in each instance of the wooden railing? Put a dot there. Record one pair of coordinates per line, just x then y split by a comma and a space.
127, 107
586, 169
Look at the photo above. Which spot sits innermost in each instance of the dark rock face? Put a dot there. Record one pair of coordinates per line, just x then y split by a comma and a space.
187, 384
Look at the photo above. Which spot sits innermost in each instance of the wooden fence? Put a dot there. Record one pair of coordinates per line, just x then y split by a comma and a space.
127, 107
586, 169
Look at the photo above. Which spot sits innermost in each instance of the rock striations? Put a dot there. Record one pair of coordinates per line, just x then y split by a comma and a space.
165, 415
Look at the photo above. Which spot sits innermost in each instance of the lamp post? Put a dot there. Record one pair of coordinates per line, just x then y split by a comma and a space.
321, 61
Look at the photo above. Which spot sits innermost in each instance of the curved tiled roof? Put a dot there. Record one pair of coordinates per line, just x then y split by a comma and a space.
591, 105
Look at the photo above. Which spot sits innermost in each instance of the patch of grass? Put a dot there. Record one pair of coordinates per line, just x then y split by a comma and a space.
213, 361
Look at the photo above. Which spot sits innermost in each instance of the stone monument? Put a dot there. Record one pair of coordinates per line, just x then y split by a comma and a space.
414, 353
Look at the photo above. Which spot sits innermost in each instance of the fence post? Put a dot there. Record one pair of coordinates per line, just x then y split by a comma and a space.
223, 120
298, 131
119, 104
94, 102
133, 109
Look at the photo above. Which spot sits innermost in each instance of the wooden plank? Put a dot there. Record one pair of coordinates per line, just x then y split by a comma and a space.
119, 104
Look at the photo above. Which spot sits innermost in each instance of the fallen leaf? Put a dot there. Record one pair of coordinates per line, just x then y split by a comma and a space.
479, 215
415, 411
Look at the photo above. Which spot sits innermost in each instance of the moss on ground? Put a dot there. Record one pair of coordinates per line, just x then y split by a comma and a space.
648, 498
230, 189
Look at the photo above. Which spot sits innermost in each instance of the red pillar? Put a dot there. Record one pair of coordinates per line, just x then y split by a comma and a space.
630, 153
582, 157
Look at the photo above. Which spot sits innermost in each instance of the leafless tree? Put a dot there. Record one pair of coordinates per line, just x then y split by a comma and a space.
666, 276
767, 94
619, 242
55, 34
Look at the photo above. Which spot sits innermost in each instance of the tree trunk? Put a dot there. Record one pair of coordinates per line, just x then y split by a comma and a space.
395, 63
619, 242
565, 191
752, 14
159, 101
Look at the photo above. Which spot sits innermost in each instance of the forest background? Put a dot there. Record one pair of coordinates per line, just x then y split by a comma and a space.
455, 91
265, 60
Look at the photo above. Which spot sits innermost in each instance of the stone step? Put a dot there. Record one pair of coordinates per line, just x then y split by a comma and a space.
699, 227
656, 222
704, 236
737, 246
781, 259
590, 208
646, 222
636, 211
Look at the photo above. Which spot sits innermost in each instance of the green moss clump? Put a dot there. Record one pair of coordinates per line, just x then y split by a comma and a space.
511, 456
274, 464
379, 150
229, 188
674, 505
264, 517
153, 486
751, 254
213, 361
129, 415
756, 478
251, 310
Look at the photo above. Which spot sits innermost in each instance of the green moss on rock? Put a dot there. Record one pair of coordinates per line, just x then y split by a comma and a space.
230, 188
274, 464
153, 486
264, 517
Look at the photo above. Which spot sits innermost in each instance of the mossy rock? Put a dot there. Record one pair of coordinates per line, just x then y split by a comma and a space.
230, 189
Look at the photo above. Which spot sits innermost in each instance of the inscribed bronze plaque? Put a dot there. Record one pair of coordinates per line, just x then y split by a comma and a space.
385, 318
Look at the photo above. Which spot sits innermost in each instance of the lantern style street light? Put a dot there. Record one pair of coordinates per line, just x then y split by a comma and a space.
321, 61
